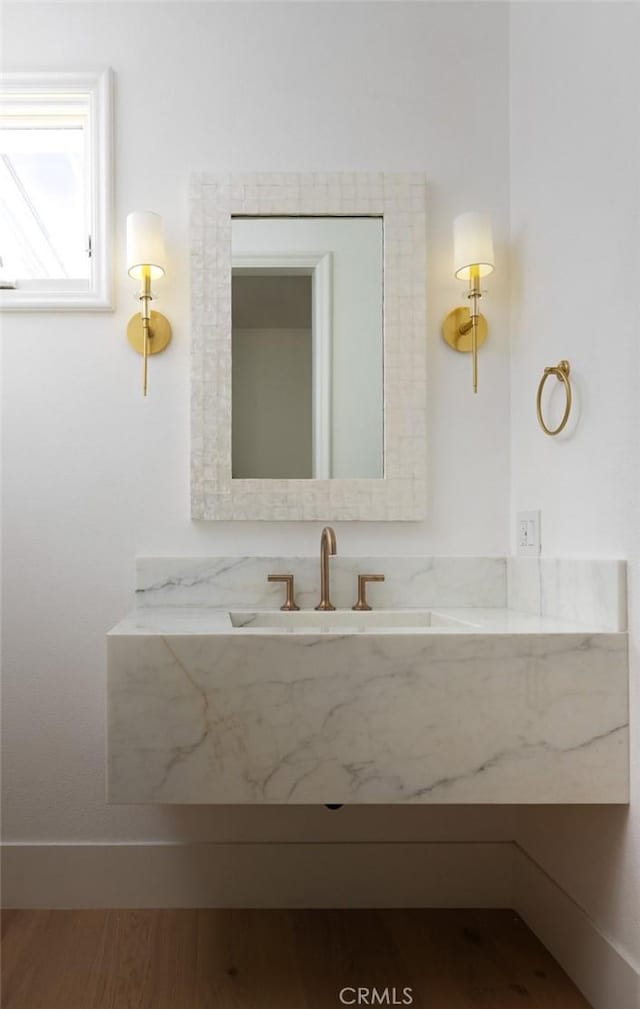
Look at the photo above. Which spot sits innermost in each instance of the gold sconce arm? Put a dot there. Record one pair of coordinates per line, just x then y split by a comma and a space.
145, 313
148, 332
474, 297
465, 329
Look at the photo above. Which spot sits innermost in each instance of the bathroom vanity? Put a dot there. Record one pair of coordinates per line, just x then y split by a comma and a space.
472, 680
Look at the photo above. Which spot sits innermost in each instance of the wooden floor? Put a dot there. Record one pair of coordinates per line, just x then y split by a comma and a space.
276, 960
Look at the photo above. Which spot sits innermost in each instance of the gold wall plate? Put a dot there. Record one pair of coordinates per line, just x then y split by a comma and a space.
462, 341
160, 333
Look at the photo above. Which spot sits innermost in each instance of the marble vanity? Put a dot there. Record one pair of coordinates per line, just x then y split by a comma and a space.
473, 680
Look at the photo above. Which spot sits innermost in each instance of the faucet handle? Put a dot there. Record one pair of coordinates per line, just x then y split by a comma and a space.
290, 602
362, 603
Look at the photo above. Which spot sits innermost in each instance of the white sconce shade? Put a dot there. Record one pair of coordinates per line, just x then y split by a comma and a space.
472, 244
145, 244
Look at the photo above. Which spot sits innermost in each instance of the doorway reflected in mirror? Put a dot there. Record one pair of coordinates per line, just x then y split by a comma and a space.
307, 347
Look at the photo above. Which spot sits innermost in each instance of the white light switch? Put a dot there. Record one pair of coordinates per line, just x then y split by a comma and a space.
528, 534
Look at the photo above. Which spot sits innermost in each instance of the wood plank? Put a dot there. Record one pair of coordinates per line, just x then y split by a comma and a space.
127, 962
213, 959
22, 934
517, 946
459, 964
246, 961
148, 961
424, 939
338, 949
56, 964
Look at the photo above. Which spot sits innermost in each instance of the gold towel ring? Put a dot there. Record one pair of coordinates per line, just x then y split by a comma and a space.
562, 372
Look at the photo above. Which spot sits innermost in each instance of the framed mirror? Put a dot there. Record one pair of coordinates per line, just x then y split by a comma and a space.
308, 380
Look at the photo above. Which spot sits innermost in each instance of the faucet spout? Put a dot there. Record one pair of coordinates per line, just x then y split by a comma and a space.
328, 548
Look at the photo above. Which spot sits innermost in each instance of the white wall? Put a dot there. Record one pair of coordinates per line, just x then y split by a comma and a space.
575, 257
94, 475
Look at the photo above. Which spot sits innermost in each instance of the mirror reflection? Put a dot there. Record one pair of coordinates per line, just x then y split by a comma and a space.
307, 347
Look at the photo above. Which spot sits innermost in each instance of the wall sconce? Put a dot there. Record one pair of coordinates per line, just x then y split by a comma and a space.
148, 332
465, 329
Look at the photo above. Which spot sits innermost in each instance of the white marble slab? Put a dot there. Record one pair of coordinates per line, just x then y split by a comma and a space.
242, 581
489, 716
204, 620
477, 703
592, 592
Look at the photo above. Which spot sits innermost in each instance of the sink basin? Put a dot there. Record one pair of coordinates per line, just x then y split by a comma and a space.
345, 621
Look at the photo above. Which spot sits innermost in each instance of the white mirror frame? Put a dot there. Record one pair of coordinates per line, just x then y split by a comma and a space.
400, 199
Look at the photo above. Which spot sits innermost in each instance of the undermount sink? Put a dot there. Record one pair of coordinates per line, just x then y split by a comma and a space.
440, 694
341, 621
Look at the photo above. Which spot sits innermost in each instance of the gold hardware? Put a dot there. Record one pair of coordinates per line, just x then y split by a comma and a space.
159, 333
148, 332
456, 330
290, 603
362, 603
465, 329
328, 548
562, 371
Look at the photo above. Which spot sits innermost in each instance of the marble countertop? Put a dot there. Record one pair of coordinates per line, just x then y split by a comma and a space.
183, 620
511, 707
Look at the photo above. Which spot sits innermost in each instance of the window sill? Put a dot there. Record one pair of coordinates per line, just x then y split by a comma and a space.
15, 300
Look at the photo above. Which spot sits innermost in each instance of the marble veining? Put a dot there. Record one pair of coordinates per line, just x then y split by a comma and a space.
242, 581
212, 698
482, 716
592, 592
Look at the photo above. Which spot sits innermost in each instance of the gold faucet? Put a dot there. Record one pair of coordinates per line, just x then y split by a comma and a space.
327, 548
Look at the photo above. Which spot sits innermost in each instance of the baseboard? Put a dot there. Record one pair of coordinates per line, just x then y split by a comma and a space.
429, 874
605, 975
437, 874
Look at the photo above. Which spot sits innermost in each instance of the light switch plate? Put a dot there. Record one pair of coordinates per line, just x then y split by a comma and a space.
528, 540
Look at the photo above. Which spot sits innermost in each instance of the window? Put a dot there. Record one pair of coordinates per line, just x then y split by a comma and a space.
55, 191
